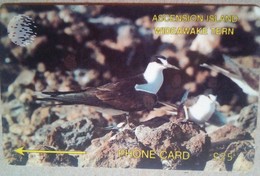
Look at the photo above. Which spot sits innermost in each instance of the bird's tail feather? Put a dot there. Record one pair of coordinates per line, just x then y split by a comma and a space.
69, 97
52, 102
62, 93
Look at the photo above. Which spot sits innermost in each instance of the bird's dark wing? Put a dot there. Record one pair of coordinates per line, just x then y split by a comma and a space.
232, 66
250, 76
247, 74
119, 95
122, 95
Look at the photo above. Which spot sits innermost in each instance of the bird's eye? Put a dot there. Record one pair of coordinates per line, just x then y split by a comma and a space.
158, 59
163, 61
211, 97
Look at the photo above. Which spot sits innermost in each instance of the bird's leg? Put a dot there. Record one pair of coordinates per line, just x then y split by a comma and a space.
129, 121
121, 125
186, 114
127, 124
127, 116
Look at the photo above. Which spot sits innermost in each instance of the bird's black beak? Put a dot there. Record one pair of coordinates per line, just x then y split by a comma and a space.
167, 65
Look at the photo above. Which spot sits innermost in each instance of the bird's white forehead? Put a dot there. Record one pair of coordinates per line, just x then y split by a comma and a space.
163, 60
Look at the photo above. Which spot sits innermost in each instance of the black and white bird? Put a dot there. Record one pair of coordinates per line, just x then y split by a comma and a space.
247, 79
124, 96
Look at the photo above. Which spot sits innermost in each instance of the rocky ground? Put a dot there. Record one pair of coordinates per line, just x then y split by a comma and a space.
81, 46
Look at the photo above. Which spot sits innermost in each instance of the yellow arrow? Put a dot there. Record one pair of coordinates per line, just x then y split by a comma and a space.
21, 151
